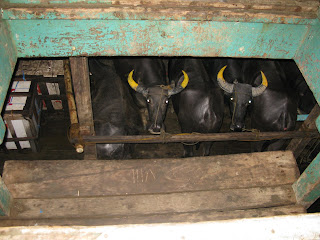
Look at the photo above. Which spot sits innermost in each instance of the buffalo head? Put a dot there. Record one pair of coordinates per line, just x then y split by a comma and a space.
241, 96
157, 98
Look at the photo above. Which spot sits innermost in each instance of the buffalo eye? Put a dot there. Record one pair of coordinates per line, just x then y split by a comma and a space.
231, 99
166, 101
148, 100
250, 102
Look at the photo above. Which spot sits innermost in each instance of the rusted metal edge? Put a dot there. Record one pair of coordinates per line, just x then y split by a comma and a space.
195, 137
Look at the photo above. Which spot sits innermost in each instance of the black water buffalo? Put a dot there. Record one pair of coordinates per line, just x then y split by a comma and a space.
306, 99
113, 110
263, 85
200, 106
147, 76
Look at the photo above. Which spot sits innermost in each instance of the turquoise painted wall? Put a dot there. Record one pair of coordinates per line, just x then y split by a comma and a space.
8, 59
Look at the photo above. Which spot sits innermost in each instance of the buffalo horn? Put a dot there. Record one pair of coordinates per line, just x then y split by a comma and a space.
256, 91
180, 87
135, 86
227, 87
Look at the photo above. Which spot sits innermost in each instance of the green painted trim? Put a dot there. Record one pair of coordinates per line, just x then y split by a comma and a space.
5, 199
58, 38
8, 59
308, 60
307, 187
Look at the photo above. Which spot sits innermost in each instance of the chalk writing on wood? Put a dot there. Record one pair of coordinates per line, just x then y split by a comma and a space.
141, 175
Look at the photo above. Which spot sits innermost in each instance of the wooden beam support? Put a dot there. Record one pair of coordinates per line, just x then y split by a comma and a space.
5, 199
298, 144
81, 86
8, 59
197, 137
307, 187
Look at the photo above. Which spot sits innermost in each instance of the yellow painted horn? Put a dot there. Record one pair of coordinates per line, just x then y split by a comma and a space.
186, 79
256, 91
264, 79
227, 87
131, 82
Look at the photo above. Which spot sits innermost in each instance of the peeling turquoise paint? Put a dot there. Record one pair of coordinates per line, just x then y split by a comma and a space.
8, 58
307, 187
57, 38
302, 117
308, 60
5, 199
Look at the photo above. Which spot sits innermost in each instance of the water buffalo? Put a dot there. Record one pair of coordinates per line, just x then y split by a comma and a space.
262, 86
306, 100
113, 110
200, 106
147, 77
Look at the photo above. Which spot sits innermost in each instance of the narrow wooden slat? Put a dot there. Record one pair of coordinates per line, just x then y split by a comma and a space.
13, 132
197, 137
223, 200
155, 218
44, 91
64, 178
81, 85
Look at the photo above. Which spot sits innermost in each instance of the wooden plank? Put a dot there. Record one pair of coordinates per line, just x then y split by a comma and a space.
155, 218
156, 38
8, 59
304, 226
81, 85
64, 178
250, 11
5, 199
197, 137
130, 205
298, 145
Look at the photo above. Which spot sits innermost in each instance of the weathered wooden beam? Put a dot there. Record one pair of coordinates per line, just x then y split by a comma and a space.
5, 199
191, 217
307, 187
71, 178
59, 38
298, 145
8, 59
308, 58
276, 11
197, 137
81, 85
303, 226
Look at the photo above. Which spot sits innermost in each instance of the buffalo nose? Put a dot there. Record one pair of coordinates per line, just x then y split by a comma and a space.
237, 128
155, 129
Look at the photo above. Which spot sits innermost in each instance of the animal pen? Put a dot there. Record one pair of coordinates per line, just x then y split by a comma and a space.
93, 198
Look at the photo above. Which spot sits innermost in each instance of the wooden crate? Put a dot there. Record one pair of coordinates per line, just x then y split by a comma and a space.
22, 117
93, 192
